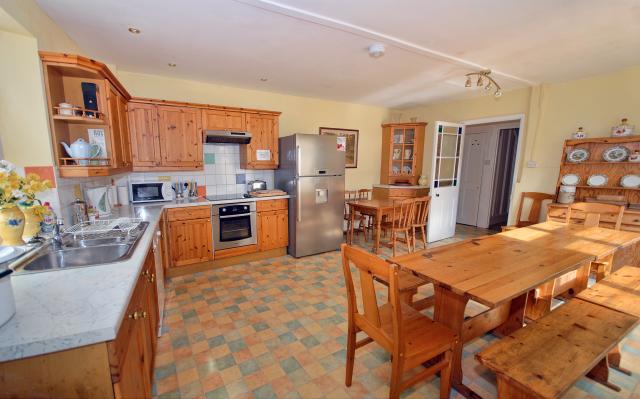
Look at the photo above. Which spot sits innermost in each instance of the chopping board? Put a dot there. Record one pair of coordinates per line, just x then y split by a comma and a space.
267, 193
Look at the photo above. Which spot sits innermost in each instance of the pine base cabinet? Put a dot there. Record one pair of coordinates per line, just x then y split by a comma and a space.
189, 235
122, 368
273, 224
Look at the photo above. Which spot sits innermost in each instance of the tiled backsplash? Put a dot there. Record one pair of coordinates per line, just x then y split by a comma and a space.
221, 175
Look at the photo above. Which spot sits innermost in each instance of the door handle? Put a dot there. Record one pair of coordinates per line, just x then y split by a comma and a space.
437, 195
298, 201
298, 158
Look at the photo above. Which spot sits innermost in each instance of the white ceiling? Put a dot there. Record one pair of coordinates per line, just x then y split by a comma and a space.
319, 48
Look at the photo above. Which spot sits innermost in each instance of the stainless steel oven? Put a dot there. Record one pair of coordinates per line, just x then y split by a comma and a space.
234, 225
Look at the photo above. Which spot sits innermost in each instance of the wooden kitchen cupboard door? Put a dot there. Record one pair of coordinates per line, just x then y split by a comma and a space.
216, 119
262, 151
145, 141
190, 241
127, 155
273, 230
116, 145
180, 130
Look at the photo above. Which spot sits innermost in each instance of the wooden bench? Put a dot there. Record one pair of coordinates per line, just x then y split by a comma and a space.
619, 291
546, 358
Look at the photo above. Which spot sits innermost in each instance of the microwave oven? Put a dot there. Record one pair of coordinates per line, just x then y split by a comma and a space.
150, 192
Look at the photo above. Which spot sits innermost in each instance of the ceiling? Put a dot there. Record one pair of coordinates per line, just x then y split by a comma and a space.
319, 48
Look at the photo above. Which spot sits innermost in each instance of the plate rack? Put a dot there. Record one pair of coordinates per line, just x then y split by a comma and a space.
596, 165
104, 227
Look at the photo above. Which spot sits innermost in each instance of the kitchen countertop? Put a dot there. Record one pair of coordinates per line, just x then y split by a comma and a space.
64, 309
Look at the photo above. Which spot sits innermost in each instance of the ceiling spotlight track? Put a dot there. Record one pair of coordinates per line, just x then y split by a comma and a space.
484, 79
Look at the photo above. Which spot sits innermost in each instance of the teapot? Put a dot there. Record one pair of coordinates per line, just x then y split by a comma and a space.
81, 149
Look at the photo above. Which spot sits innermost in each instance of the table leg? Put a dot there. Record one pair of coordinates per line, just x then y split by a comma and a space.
614, 358
509, 390
515, 320
539, 301
376, 242
351, 222
600, 373
449, 311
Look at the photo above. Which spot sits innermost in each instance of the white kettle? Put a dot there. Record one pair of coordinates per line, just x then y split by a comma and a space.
81, 149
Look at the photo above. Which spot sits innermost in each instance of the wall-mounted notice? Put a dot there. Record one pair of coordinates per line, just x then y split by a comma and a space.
263, 155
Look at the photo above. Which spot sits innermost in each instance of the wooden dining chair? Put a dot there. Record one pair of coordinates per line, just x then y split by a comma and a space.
349, 195
410, 337
401, 223
593, 212
533, 217
421, 213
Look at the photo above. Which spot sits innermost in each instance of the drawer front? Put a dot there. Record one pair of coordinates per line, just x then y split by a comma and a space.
272, 205
188, 213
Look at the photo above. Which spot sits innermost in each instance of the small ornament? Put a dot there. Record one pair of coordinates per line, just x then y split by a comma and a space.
635, 157
580, 134
623, 129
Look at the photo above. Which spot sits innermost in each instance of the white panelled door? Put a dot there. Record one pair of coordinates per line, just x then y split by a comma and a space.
445, 180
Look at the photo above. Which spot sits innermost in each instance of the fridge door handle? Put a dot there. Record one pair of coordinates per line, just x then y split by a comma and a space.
298, 158
298, 201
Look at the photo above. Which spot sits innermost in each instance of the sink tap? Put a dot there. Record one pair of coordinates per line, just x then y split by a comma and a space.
57, 233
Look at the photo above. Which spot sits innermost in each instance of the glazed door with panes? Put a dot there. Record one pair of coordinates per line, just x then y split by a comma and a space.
445, 180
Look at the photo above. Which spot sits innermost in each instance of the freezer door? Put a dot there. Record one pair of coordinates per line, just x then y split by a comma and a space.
317, 216
318, 155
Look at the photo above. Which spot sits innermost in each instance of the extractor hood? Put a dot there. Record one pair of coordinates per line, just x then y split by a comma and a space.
224, 136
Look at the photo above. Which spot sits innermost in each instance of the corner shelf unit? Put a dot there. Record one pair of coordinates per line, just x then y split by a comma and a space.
402, 152
63, 76
596, 165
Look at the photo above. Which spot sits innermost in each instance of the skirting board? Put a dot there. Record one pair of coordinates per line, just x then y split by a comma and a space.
217, 264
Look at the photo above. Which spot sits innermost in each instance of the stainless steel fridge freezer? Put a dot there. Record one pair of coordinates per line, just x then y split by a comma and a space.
312, 172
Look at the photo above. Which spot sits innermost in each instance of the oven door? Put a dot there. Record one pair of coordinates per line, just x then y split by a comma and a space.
234, 231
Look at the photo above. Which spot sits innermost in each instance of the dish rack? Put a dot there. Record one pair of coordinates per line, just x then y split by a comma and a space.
105, 228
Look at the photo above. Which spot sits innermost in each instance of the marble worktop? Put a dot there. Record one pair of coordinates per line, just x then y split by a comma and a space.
69, 308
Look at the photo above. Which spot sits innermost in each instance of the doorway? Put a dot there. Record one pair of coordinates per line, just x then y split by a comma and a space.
487, 172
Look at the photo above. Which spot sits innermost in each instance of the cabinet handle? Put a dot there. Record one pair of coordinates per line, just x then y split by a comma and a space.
135, 315
144, 314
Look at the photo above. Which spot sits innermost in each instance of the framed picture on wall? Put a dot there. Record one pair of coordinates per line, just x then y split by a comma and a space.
348, 140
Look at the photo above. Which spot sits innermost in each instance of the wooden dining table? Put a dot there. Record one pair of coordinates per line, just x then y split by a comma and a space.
376, 208
499, 271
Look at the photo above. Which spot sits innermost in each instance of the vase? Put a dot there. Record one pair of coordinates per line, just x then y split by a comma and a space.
423, 181
11, 225
31, 220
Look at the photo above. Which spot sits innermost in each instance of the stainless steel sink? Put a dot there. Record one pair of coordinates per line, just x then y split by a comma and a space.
85, 251
78, 257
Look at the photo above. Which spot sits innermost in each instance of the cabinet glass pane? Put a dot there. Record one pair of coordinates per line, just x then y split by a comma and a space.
409, 135
397, 153
398, 136
408, 153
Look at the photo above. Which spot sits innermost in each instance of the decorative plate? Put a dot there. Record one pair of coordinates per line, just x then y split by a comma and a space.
570, 179
616, 153
630, 181
597, 180
578, 155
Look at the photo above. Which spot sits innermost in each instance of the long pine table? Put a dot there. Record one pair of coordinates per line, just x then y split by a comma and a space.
500, 270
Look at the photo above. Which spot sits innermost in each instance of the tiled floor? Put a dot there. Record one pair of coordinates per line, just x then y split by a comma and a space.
277, 328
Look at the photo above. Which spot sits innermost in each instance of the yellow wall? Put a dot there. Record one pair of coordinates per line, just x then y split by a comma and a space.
299, 114
552, 113
24, 128
30, 16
